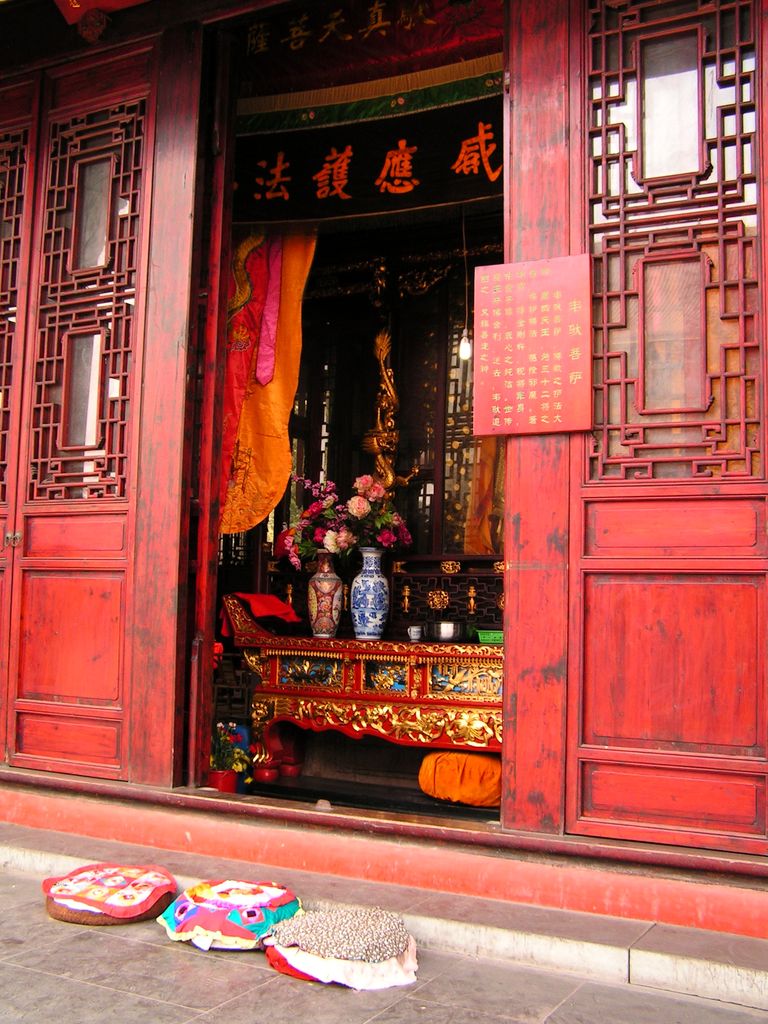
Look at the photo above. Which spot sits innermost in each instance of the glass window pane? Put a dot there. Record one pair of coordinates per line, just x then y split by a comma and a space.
673, 335
81, 416
92, 210
670, 107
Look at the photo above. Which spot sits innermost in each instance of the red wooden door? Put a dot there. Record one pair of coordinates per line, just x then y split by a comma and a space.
635, 693
71, 445
667, 671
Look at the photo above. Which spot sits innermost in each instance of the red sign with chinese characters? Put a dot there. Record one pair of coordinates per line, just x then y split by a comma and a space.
532, 348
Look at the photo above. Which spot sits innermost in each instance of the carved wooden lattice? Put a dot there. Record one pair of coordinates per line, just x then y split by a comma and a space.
84, 366
13, 160
673, 221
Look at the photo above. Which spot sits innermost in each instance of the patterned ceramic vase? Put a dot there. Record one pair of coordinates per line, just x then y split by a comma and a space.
324, 597
369, 597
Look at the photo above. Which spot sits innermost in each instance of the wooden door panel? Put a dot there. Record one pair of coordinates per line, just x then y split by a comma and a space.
675, 663
75, 536
652, 528
70, 644
50, 739
697, 801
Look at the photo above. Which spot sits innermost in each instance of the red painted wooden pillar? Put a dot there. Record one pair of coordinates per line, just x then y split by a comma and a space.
536, 519
159, 656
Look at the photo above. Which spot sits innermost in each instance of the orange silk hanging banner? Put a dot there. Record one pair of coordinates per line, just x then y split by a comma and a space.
261, 464
248, 288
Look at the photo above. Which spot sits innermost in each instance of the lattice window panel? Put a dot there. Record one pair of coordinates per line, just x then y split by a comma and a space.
86, 306
674, 237
456, 592
13, 166
460, 453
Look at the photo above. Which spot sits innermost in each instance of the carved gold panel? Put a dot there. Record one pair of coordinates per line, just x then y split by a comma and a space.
479, 680
465, 727
381, 675
314, 672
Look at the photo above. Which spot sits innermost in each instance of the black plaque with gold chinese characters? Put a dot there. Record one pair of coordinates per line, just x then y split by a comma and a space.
532, 361
450, 154
319, 44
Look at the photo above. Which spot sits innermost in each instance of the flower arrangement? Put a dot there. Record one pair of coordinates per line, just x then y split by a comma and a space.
367, 519
322, 524
373, 519
225, 752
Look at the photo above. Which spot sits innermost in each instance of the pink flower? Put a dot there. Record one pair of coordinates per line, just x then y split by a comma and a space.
319, 535
387, 539
358, 506
345, 538
362, 483
405, 536
376, 491
284, 542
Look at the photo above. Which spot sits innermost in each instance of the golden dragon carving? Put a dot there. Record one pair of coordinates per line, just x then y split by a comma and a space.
382, 440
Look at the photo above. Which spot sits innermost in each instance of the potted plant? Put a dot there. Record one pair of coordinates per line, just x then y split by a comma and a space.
227, 758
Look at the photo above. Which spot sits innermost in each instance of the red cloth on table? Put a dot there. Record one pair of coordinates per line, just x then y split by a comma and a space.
260, 606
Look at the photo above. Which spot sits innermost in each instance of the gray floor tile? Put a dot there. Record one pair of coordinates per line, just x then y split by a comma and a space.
172, 973
595, 1004
285, 998
499, 989
413, 1010
28, 997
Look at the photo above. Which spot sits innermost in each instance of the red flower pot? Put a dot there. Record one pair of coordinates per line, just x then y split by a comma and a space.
223, 779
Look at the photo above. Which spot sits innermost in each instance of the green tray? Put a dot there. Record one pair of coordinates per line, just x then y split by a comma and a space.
490, 636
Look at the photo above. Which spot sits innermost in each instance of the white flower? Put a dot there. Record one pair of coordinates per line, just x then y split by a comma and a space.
331, 542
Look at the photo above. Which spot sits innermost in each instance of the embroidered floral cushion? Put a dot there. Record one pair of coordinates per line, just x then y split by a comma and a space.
109, 893
228, 914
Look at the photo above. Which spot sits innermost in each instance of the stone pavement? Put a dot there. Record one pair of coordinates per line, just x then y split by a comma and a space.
483, 961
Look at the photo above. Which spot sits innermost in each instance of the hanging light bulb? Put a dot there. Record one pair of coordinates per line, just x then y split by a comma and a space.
465, 345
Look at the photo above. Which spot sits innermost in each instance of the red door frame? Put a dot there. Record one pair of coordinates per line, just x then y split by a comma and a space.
20, 105
545, 54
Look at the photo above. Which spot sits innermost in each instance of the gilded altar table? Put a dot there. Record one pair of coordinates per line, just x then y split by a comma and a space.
431, 695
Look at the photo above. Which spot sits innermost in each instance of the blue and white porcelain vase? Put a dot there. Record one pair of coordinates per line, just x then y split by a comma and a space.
369, 597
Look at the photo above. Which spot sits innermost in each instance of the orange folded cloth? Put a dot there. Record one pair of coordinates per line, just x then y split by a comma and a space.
463, 778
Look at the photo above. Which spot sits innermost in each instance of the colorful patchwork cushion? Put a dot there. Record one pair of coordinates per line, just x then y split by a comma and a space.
360, 947
228, 914
463, 778
109, 893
